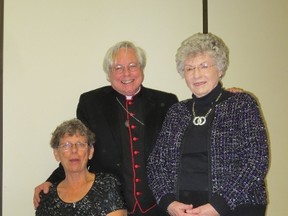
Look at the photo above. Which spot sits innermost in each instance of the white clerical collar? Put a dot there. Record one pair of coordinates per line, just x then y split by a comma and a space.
129, 97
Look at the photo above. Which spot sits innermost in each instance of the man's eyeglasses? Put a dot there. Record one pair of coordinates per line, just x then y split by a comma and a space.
118, 68
202, 67
68, 146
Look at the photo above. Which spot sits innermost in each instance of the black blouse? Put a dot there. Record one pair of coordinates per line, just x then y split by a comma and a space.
103, 198
194, 174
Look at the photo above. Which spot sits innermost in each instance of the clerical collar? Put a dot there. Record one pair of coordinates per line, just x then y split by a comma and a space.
129, 97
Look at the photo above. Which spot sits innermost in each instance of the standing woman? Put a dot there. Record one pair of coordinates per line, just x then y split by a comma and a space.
211, 156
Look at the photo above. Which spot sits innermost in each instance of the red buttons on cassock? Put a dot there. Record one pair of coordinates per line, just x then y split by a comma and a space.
133, 126
130, 102
136, 152
135, 138
137, 166
137, 180
138, 193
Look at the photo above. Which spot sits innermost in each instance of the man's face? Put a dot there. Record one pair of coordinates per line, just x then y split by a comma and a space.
126, 75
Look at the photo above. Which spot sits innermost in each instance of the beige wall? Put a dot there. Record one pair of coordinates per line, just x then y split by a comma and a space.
53, 52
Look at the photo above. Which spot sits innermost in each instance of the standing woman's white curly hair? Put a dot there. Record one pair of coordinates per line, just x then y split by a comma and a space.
200, 43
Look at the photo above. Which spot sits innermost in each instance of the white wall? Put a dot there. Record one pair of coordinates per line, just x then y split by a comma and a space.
53, 52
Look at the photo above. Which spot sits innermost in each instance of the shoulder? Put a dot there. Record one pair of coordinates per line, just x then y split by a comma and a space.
99, 92
181, 106
106, 185
52, 191
239, 104
107, 178
155, 91
108, 192
179, 112
48, 198
158, 93
242, 98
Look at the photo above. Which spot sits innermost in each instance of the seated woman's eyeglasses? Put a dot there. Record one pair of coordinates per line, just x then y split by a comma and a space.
118, 68
68, 146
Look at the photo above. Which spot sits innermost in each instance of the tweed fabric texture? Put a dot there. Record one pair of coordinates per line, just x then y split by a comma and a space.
239, 156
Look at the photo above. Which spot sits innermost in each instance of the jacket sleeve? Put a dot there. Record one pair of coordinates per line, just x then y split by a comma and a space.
157, 168
240, 156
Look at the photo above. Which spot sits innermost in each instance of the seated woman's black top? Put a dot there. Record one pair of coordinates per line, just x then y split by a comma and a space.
103, 198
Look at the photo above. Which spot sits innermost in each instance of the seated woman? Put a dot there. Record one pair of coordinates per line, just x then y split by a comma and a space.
81, 192
211, 156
